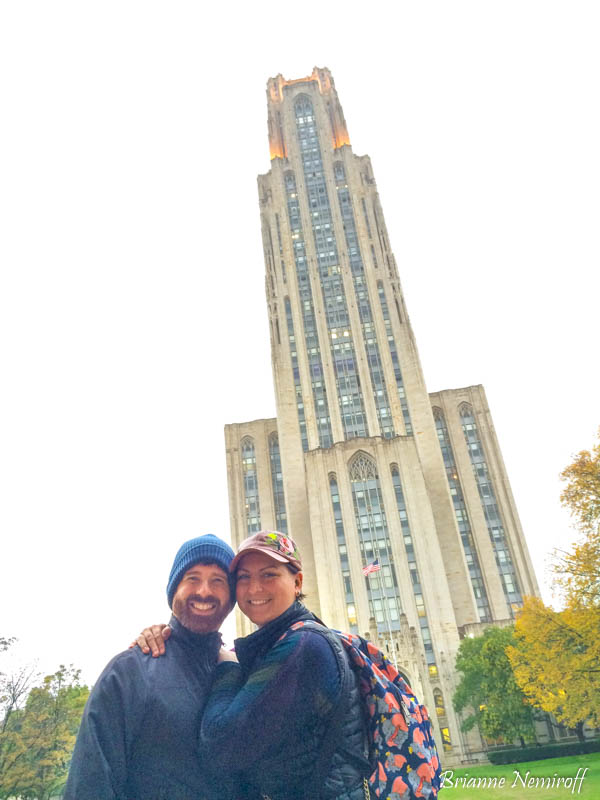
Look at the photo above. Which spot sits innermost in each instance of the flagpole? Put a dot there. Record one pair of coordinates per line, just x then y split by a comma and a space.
387, 619
383, 594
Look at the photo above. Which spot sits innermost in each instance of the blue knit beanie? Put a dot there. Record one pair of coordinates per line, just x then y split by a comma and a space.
207, 548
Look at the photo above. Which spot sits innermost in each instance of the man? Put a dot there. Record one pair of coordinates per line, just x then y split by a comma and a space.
138, 738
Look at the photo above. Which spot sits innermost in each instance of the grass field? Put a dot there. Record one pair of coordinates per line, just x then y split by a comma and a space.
513, 788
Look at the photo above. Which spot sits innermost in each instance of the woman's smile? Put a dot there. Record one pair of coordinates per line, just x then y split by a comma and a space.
265, 588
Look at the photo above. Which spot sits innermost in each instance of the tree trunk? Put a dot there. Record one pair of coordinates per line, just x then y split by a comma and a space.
579, 730
522, 741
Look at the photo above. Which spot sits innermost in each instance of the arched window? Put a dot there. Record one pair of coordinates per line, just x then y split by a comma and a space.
362, 467
404, 677
465, 410
462, 517
491, 510
375, 544
339, 172
303, 108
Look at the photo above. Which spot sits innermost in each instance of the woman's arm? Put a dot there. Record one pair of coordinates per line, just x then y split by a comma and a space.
290, 693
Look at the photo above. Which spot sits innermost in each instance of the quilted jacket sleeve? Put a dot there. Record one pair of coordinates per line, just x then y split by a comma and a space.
288, 696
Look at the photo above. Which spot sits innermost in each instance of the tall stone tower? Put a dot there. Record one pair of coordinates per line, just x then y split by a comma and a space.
362, 466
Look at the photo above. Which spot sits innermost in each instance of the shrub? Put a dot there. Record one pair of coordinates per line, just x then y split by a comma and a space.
514, 755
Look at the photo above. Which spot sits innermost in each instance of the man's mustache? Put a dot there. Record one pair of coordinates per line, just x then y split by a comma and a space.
209, 598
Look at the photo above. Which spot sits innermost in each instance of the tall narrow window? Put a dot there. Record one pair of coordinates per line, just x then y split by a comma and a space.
395, 359
349, 391
378, 384
311, 338
413, 566
446, 740
343, 552
250, 485
296, 373
491, 511
375, 546
440, 706
462, 518
277, 483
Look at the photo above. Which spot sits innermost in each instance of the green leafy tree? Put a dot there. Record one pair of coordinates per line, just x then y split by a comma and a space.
14, 688
488, 690
39, 737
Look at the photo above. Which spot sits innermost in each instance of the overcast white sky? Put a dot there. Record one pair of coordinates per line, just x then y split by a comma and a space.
133, 322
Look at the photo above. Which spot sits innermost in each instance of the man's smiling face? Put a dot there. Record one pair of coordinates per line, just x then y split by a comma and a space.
202, 599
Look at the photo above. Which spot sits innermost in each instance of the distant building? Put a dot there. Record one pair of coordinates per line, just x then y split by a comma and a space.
362, 465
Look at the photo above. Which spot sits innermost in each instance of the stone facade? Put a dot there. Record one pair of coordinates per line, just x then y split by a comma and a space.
362, 465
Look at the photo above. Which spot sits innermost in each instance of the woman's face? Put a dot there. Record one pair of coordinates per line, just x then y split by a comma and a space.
265, 588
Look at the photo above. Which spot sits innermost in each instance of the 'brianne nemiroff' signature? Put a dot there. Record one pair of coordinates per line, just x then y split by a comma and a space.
526, 781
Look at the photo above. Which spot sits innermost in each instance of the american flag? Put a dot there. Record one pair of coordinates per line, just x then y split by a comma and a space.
375, 566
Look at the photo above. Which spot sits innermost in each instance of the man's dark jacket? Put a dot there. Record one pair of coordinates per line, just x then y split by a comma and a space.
138, 738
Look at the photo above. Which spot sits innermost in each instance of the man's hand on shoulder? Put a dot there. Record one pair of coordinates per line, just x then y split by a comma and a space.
153, 640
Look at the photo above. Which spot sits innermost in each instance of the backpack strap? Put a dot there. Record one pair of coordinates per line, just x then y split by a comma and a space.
333, 733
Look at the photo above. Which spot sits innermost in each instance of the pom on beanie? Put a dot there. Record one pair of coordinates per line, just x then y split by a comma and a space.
207, 548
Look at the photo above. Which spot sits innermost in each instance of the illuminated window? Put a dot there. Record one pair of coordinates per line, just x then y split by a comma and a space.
351, 610
440, 707
446, 741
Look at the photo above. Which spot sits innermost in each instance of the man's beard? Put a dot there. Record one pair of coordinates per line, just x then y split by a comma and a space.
200, 623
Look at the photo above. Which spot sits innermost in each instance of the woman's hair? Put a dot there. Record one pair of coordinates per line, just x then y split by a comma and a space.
294, 570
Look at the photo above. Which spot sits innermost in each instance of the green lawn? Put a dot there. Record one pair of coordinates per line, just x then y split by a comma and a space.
513, 788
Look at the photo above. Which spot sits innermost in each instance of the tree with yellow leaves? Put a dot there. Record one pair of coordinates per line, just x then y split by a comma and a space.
556, 656
556, 661
577, 572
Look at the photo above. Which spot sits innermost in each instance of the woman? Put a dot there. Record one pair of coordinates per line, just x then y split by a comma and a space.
284, 712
